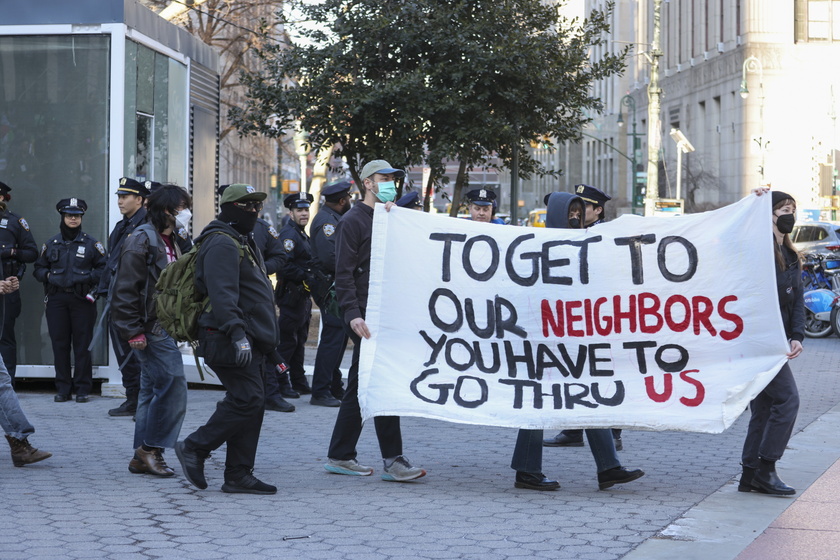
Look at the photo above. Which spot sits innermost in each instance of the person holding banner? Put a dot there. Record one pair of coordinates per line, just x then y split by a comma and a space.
774, 410
565, 210
352, 276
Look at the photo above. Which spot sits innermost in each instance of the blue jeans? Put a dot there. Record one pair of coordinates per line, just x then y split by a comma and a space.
527, 455
12, 418
162, 403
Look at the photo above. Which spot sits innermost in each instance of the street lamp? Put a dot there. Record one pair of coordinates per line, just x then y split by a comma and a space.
683, 147
638, 181
752, 65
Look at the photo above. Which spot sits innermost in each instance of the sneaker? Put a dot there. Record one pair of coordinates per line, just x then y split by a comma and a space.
192, 463
402, 471
349, 466
248, 484
279, 404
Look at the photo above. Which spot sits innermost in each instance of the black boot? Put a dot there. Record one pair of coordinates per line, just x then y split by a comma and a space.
767, 481
129, 407
286, 390
300, 384
745, 484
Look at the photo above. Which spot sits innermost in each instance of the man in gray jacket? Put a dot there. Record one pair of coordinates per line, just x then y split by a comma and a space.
235, 334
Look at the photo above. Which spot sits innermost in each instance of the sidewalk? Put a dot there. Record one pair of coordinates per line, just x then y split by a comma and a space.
83, 503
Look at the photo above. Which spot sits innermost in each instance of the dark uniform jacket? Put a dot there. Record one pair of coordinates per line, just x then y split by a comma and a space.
268, 243
17, 246
323, 230
352, 261
791, 297
132, 301
74, 265
241, 298
296, 267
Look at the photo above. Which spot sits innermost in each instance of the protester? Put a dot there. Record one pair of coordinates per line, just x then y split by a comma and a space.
235, 334
162, 400
773, 412
327, 388
565, 210
70, 266
352, 274
17, 247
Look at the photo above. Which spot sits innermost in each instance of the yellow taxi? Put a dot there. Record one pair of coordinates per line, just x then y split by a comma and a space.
536, 218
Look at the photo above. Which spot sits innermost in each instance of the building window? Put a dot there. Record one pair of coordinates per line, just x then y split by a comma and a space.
817, 20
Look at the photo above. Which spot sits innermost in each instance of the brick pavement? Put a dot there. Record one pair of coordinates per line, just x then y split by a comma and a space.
83, 502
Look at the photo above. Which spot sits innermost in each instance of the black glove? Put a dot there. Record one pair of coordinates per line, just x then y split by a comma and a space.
243, 351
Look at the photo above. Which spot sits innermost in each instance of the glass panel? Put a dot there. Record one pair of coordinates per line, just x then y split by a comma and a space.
818, 30
161, 137
54, 107
177, 124
144, 158
145, 80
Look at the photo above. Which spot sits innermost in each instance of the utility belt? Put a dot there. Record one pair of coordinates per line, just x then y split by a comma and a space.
13, 267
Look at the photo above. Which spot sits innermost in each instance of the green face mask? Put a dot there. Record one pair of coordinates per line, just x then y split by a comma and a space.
387, 191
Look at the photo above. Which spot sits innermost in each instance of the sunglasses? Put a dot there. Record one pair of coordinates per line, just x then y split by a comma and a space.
252, 205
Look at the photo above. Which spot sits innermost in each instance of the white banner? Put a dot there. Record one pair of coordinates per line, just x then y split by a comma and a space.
654, 323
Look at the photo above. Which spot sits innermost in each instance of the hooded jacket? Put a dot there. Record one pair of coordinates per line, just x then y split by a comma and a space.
557, 209
241, 297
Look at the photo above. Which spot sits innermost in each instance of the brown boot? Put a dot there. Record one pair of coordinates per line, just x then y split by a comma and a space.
153, 461
23, 453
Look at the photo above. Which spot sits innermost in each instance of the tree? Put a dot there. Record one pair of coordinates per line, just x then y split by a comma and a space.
428, 80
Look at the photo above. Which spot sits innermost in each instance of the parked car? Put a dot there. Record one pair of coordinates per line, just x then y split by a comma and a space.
816, 237
536, 218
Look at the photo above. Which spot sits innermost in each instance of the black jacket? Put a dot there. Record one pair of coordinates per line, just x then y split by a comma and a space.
76, 264
241, 298
132, 299
17, 246
296, 269
268, 242
323, 229
352, 261
791, 296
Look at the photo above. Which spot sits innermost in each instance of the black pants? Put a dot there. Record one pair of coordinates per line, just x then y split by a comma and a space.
294, 330
128, 364
773, 415
238, 418
8, 343
328, 359
70, 320
348, 423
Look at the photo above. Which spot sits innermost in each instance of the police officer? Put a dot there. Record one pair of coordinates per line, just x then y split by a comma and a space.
327, 388
70, 266
17, 247
480, 204
594, 200
410, 200
131, 199
293, 297
267, 241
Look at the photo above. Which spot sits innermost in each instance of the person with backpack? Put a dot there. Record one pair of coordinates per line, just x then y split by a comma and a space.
235, 333
162, 401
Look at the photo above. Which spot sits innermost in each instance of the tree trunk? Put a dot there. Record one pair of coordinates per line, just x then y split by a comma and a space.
459, 186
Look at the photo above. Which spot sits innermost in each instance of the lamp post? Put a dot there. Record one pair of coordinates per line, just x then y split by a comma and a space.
752, 65
638, 179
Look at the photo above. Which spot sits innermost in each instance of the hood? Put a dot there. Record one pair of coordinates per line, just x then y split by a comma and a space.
557, 209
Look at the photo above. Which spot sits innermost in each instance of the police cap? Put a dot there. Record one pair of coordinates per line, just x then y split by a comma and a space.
481, 197
592, 195
71, 206
130, 186
410, 200
298, 200
336, 191
4, 188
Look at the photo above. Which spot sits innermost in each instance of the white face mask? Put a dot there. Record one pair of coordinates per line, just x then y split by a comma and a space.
183, 217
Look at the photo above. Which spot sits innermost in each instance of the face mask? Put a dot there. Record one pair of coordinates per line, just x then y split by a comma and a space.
183, 217
387, 191
574, 223
784, 223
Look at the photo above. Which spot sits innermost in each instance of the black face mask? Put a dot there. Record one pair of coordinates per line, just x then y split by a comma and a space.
574, 223
68, 233
239, 219
784, 223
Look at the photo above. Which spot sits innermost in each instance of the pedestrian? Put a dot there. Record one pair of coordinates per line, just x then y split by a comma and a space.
131, 200
17, 247
12, 419
594, 200
411, 200
773, 412
294, 296
327, 387
70, 267
352, 274
565, 210
267, 241
235, 333
162, 400
480, 205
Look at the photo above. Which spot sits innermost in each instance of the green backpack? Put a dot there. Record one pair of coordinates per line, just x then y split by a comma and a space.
178, 301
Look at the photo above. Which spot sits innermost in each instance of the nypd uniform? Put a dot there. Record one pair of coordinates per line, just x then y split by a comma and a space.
17, 247
293, 296
267, 240
592, 195
410, 200
326, 376
70, 270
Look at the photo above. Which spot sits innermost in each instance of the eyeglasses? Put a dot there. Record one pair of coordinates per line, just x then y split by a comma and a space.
251, 205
